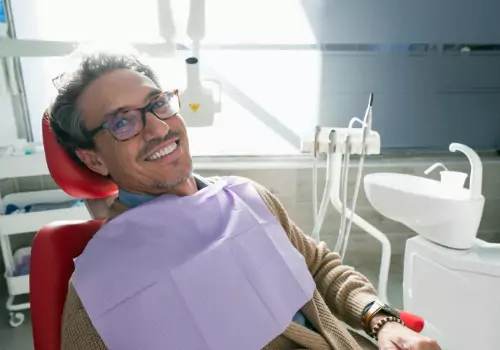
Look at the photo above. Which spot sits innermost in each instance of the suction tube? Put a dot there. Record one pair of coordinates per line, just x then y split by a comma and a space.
315, 175
325, 200
367, 122
344, 178
345, 225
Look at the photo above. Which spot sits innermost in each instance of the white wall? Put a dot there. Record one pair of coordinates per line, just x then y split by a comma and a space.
422, 99
8, 129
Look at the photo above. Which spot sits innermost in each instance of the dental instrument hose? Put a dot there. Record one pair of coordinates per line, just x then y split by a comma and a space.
367, 125
344, 177
344, 181
325, 200
315, 175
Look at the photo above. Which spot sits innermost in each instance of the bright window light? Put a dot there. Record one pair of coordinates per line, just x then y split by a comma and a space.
249, 22
269, 96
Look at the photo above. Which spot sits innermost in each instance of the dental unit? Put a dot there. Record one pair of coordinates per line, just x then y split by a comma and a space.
339, 144
451, 278
456, 179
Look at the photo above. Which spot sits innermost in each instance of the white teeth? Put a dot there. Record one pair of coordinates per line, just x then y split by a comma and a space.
162, 153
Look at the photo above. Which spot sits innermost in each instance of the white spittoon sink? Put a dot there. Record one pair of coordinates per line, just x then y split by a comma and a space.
451, 278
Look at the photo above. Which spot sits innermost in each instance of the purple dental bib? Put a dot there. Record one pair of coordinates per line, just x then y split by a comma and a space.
212, 271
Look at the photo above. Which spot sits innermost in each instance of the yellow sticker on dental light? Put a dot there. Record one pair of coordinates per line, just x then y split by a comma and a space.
194, 106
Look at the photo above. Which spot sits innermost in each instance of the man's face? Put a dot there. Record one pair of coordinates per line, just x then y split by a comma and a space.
129, 162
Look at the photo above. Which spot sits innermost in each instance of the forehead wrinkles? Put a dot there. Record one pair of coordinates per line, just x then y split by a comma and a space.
91, 109
110, 91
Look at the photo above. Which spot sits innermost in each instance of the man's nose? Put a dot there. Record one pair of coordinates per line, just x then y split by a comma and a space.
154, 128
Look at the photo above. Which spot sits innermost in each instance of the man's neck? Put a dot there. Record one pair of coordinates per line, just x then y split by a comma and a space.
189, 187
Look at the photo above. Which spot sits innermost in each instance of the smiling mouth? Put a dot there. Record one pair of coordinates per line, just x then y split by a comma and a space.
164, 151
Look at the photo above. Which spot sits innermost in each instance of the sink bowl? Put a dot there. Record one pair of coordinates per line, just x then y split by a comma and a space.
444, 215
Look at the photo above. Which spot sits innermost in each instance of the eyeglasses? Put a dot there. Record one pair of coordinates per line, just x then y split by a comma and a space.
127, 124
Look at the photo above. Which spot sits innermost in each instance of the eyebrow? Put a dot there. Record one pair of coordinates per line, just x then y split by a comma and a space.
148, 97
151, 94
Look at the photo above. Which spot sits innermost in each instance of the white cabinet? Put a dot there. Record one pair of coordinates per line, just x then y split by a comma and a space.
24, 222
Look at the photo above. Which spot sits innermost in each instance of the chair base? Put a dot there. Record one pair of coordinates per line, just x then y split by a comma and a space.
16, 317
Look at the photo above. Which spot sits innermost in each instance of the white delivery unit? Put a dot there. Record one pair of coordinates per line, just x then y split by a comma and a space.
18, 223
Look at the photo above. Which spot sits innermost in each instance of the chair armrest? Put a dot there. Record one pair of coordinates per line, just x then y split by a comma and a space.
414, 322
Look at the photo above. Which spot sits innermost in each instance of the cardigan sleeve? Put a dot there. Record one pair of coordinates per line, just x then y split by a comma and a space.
345, 291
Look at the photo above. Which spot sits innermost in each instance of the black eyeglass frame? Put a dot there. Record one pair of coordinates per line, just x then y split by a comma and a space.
148, 108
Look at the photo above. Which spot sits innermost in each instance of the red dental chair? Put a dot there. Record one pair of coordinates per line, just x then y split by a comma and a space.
56, 245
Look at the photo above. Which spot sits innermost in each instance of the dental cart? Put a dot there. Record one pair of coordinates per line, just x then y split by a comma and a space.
14, 167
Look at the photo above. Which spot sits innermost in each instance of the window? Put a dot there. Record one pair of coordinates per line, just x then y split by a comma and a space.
261, 51
287, 65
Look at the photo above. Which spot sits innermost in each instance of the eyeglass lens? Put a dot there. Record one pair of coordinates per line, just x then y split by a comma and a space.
127, 124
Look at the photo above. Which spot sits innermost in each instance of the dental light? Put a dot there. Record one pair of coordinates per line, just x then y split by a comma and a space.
339, 144
199, 101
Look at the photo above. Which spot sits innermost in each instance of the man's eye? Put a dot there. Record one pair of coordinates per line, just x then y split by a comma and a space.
120, 123
158, 104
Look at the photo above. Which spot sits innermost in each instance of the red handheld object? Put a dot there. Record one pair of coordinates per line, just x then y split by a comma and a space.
414, 322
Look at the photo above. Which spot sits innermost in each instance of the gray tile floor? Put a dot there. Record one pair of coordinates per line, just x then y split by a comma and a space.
20, 338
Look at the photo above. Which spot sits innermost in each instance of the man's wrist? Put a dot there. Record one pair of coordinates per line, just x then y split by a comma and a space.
374, 312
377, 318
386, 323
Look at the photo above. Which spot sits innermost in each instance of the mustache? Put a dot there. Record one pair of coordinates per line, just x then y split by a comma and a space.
155, 142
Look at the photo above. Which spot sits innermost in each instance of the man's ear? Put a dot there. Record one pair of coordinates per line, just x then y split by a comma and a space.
92, 160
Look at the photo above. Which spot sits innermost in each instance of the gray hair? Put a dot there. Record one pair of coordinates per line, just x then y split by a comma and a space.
65, 116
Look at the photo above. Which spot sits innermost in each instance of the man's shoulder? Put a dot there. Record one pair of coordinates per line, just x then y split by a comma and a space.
262, 190
77, 331
265, 194
209, 179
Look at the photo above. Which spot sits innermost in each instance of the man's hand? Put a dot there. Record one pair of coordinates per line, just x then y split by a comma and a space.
395, 336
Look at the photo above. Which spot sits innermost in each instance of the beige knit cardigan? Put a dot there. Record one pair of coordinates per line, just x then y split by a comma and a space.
340, 296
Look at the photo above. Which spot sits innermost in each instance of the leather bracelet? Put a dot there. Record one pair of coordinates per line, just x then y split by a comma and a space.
381, 323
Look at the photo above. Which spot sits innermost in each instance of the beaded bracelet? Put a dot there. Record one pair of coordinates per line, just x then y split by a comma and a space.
381, 323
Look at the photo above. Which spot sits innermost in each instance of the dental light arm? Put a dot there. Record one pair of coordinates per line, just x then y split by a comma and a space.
196, 25
166, 23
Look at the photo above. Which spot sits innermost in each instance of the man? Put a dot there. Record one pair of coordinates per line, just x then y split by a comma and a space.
112, 116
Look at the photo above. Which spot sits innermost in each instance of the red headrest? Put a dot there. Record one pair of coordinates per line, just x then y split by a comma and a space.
73, 178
